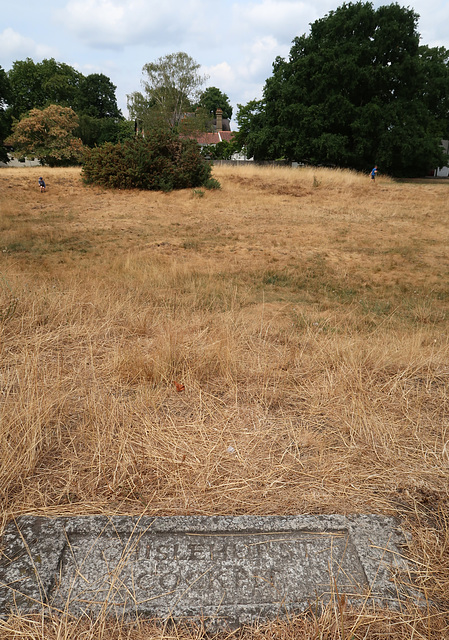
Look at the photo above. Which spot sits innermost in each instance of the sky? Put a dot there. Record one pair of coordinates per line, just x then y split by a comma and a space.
234, 41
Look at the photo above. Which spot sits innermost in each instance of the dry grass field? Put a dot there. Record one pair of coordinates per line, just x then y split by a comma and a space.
306, 313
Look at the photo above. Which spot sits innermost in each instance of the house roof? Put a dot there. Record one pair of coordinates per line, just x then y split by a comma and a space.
212, 138
226, 136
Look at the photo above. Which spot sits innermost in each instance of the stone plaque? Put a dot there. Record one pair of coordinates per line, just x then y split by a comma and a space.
226, 570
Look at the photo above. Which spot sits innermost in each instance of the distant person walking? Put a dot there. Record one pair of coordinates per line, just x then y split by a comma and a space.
374, 173
41, 184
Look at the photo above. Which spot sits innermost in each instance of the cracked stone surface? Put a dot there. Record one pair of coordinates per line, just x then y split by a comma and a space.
225, 570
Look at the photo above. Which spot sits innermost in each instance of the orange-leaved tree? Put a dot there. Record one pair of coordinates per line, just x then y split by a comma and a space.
48, 134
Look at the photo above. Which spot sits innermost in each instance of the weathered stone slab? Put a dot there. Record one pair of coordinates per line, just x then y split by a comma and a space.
228, 570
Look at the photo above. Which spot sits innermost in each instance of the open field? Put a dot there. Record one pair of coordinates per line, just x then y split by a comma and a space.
306, 312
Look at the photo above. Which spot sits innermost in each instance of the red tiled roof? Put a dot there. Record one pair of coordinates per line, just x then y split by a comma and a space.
212, 138
206, 138
226, 136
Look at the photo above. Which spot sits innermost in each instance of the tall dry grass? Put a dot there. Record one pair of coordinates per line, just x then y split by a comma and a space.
305, 312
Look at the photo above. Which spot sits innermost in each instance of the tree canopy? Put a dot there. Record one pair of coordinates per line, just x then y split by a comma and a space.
47, 134
358, 90
38, 85
212, 98
171, 85
96, 97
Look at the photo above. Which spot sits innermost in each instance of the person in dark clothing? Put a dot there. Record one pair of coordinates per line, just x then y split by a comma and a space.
41, 184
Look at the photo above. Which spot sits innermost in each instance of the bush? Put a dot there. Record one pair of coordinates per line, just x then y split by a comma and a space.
162, 162
212, 183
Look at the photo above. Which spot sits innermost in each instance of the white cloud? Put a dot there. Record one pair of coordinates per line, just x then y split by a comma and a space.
116, 23
96, 22
261, 55
433, 21
281, 19
243, 76
15, 46
255, 65
221, 75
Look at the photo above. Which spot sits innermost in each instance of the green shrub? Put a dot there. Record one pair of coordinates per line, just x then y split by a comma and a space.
212, 183
162, 162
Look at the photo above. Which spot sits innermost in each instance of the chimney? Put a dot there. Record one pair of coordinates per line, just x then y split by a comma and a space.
219, 119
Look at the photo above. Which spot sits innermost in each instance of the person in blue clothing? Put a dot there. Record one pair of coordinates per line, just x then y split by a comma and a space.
374, 173
41, 184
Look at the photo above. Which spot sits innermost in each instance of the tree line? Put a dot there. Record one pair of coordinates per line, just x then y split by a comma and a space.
29, 86
79, 111
358, 90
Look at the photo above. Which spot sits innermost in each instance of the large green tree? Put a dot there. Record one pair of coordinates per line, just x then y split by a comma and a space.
27, 91
37, 85
212, 98
100, 119
96, 97
171, 85
251, 130
358, 90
